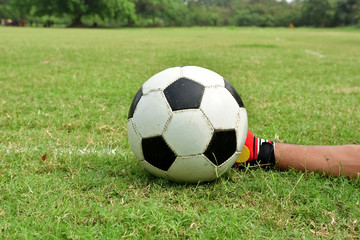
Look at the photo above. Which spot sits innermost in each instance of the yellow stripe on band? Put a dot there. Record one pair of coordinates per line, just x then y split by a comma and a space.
244, 155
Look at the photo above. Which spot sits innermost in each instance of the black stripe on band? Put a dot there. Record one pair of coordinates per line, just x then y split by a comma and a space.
254, 148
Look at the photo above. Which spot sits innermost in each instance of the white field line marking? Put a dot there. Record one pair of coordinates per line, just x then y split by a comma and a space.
319, 55
70, 150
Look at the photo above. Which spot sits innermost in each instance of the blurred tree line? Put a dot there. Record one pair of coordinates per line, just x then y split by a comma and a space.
264, 13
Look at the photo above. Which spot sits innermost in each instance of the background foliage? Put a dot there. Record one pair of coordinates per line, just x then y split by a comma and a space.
265, 13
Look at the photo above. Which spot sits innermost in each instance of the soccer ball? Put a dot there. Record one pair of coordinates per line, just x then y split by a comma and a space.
187, 124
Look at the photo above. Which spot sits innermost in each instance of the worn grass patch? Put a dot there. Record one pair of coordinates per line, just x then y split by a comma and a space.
66, 169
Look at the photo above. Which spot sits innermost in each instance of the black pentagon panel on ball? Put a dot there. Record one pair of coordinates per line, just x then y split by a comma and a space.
222, 146
157, 152
234, 93
135, 102
184, 94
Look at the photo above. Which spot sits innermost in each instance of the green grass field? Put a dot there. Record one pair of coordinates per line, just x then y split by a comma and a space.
66, 93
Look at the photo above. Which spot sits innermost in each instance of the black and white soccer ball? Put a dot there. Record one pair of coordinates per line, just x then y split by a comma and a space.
187, 124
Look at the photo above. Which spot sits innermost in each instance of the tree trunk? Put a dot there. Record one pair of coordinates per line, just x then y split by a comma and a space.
130, 21
77, 22
153, 18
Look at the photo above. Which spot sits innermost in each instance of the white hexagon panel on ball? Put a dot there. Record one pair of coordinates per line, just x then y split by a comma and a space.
220, 107
241, 129
188, 132
192, 169
162, 79
134, 140
151, 114
228, 164
153, 170
203, 76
